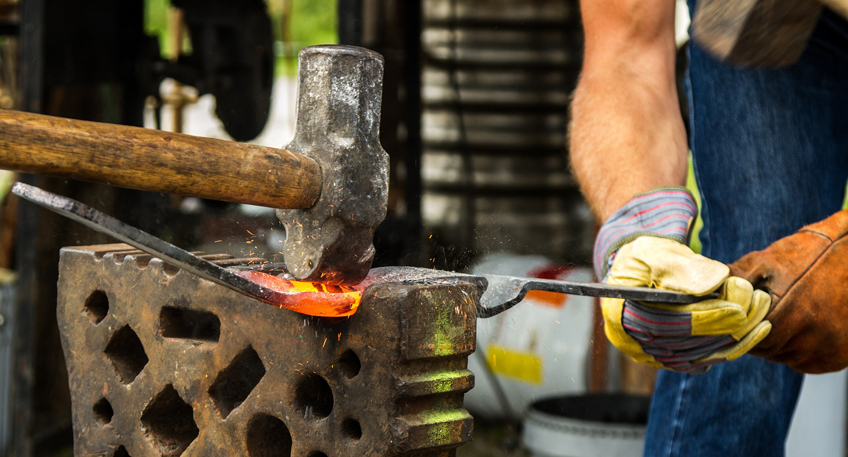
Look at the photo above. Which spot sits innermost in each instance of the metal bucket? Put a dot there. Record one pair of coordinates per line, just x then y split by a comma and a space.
610, 425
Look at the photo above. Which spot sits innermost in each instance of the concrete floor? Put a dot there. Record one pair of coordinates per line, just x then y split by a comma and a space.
494, 439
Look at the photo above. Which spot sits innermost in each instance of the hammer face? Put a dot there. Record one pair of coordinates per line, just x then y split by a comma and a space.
338, 125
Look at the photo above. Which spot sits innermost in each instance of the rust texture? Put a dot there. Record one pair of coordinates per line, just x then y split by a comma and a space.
162, 363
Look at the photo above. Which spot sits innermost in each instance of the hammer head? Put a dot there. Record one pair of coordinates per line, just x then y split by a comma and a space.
338, 125
755, 33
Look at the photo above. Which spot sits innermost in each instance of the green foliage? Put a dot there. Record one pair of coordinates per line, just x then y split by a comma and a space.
312, 22
156, 22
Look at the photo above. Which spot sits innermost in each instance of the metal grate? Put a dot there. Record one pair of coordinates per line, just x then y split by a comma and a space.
496, 80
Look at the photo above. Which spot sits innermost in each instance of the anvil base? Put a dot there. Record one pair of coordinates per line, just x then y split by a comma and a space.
162, 363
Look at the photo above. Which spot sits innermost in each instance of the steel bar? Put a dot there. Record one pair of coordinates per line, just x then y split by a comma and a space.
504, 292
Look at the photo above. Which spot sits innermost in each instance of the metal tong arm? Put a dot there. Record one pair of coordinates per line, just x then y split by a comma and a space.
504, 292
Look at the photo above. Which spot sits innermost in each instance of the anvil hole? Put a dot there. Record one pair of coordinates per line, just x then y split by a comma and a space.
103, 411
121, 452
234, 384
97, 306
314, 397
268, 436
349, 364
126, 353
169, 269
352, 429
317, 454
189, 324
168, 422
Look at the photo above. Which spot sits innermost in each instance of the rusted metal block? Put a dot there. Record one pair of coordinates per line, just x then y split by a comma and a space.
162, 363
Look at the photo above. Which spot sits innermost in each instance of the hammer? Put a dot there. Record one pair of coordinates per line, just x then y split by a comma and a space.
329, 184
759, 33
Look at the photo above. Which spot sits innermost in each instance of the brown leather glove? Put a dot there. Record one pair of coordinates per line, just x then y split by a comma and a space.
807, 277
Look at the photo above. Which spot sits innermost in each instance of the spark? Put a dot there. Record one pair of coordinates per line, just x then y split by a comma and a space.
218, 241
251, 233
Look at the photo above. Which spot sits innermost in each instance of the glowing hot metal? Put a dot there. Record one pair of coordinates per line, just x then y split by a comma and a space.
307, 297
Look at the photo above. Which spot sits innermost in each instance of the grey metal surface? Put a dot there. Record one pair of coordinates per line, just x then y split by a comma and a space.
338, 125
504, 292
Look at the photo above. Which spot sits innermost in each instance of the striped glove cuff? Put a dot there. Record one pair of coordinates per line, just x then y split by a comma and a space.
664, 212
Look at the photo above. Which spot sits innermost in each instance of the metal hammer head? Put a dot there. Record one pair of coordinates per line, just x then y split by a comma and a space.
338, 125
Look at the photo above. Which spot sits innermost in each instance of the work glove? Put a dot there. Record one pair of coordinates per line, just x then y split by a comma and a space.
806, 275
641, 245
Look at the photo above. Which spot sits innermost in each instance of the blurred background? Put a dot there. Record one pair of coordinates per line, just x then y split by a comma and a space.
474, 111
475, 106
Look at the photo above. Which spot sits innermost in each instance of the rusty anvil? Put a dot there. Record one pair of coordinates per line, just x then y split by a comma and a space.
329, 184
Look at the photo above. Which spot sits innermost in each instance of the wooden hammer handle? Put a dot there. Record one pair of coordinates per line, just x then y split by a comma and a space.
157, 161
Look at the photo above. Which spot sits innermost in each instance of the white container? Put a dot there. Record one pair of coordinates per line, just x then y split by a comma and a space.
539, 348
587, 426
818, 426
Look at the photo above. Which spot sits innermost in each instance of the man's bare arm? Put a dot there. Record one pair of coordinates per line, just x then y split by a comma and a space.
626, 132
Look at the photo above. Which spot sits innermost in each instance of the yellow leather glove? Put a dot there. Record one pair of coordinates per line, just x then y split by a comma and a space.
686, 338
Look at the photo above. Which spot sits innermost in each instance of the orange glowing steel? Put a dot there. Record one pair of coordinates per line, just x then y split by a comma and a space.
309, 298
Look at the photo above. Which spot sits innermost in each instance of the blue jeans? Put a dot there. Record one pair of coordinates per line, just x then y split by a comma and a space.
771, 155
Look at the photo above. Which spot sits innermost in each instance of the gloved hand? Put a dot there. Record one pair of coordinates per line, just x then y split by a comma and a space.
807, 277
642, 246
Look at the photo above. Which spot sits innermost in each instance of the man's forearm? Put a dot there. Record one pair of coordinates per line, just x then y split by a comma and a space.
626, 131
624, 142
